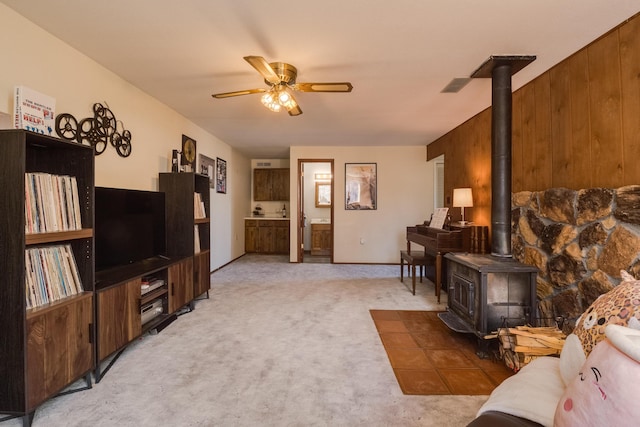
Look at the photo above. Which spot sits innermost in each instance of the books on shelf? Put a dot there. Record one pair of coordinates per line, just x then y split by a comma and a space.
34, 111
198, 206
196, 239
51, 274
51, 203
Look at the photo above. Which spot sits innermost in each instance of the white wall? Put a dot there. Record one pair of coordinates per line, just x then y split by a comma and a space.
405, 197
32, 57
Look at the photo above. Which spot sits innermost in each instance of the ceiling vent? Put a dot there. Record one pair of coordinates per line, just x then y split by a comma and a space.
456, 85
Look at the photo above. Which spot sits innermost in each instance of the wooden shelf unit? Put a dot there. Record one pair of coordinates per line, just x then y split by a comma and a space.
179, 189
46, 348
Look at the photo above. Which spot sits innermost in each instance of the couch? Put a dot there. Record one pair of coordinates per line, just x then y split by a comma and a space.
594, 382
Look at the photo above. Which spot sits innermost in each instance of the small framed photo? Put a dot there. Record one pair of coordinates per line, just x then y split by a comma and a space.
221, 176
360, 186
206, 167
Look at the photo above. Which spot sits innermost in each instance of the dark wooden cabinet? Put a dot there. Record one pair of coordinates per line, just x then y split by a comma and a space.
201, 276
46, 348
320, 239
118, 317
189, 233
271, 184
59, 348
180, 284
266, 236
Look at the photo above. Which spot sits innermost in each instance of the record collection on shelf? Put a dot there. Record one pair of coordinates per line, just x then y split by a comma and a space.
51, 274
51, 203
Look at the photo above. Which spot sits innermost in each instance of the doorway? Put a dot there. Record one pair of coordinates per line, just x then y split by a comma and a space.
315, 210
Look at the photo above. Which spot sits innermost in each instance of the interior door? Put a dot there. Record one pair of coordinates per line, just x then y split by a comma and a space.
303, 220
301, 216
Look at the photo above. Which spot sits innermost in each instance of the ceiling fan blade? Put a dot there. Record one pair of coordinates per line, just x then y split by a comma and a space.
237, 93
295, 111
292, 106
324, 87
263, 67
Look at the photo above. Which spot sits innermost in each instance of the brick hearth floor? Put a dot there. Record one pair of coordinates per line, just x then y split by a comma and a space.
429, 358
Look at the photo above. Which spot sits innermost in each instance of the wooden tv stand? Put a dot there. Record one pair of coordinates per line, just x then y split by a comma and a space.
119, 301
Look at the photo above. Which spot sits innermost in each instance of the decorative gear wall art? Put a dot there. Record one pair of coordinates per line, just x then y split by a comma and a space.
98, 131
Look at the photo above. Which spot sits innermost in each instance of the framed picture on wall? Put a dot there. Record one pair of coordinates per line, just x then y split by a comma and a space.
361, 186
207, 167
221, 175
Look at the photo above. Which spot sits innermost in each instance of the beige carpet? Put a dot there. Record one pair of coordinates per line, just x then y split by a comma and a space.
277, 344
429, 358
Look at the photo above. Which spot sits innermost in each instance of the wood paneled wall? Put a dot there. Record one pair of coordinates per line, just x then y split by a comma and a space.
575, 126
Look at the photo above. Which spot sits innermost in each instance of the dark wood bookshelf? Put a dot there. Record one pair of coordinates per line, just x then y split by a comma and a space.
179, 189
55, 335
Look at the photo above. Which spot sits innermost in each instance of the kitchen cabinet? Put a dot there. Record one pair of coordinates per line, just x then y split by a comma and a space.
266, 236
271, 184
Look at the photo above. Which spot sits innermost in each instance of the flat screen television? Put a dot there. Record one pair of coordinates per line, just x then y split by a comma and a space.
129, 226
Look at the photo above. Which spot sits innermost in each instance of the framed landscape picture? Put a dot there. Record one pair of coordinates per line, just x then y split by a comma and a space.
361, 186
221, 175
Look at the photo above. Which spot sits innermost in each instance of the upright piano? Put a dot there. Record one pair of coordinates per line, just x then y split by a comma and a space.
437, 242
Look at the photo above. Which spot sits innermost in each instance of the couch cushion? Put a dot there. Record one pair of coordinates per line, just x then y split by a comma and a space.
533, 393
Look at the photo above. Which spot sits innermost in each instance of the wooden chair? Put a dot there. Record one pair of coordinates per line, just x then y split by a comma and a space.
414, 259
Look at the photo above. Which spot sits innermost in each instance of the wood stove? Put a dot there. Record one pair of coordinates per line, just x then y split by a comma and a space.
491, 291
487, 292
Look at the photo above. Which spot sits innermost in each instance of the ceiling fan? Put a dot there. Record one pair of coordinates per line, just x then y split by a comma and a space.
281, 80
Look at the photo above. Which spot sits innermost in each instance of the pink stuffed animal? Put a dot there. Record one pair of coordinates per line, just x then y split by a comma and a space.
605, 393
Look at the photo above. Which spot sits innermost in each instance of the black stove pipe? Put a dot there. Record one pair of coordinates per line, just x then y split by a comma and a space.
500, 68
501, 160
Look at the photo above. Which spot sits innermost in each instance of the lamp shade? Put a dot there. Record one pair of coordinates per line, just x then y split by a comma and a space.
462, 198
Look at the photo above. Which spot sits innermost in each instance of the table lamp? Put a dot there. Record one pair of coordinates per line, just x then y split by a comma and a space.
462, 198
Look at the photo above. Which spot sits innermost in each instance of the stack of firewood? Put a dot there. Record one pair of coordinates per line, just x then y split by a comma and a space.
522, 344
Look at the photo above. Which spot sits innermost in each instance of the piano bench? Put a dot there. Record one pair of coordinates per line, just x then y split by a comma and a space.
412, 259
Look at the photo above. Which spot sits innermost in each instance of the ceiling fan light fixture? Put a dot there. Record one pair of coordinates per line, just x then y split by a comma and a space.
270, 101
286, 100
280, 78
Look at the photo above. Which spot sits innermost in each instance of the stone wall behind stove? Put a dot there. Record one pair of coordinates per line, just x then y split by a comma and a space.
579, 240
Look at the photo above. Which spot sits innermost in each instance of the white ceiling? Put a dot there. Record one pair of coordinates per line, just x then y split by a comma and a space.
398, 55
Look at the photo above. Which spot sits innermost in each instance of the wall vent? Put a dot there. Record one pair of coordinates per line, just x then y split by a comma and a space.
263, 164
